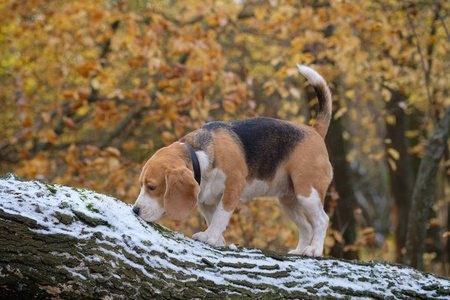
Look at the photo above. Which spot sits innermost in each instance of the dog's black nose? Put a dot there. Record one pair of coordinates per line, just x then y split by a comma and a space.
136, 210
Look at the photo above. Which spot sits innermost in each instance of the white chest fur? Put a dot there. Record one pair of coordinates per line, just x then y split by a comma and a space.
212, 187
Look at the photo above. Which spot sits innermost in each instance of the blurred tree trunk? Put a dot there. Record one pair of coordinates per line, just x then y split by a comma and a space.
400, 173
423, 193
343, 219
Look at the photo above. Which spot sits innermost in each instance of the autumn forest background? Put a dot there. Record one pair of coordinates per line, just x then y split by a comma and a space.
89, 89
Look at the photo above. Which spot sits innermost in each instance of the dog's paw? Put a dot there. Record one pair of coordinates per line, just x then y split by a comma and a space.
310, 251
221, 241
204, 237
295, 252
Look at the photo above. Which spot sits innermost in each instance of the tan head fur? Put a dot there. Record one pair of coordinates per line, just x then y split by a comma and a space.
167, 186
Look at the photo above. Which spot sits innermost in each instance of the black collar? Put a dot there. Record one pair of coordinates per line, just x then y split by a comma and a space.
195, 164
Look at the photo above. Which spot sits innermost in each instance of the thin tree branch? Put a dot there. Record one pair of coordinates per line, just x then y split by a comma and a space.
120, 127
436, 4
422, 59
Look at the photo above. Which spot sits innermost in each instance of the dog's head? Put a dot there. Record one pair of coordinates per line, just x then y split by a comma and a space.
167, 186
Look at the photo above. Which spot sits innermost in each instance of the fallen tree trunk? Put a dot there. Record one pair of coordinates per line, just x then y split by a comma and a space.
67, 243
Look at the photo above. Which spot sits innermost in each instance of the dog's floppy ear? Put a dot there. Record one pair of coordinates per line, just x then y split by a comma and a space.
181, 193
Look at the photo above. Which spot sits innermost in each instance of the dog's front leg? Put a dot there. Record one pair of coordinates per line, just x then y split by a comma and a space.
208, 212
221, 216
218, 224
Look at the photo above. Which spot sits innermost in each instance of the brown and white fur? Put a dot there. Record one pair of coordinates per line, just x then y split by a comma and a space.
240, 160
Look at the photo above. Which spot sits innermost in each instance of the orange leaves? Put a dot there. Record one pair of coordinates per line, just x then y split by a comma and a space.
104, 111
129, 145
366, 238
136, 62
195, 74
97, 14
91, 151
230, 103
88, 68
70, 124
27, 122
48, 136
168, 138
72, 158
37, 167
112, 151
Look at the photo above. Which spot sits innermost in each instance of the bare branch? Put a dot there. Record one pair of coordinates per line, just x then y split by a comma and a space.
436, 4
422, 59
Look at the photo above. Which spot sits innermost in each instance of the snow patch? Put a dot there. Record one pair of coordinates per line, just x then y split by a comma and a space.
232, 247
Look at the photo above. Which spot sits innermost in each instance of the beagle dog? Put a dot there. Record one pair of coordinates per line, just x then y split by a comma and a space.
222, 163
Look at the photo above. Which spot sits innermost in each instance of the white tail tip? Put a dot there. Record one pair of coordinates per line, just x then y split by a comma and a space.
313, 77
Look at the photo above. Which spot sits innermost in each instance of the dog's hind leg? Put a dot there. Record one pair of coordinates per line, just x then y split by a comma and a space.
292, 208
312, 208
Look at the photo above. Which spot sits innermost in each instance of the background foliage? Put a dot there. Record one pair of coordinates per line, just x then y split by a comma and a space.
90, 89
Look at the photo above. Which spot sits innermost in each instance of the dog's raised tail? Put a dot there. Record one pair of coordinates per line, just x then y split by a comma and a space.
323, 95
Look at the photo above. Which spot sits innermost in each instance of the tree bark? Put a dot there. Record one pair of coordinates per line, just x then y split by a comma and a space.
423, 193
66, 243
343, 219
400, 176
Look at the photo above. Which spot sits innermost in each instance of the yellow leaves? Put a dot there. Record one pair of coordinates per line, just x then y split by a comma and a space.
390, 119
297, 43
412, 133
350, 94
30, 83
394, 153
281, 73
392, 164
351, 155
375, 27
393, 156
216, 21
341, 111
260, 13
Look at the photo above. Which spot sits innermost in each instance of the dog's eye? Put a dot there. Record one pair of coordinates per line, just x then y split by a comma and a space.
151, 187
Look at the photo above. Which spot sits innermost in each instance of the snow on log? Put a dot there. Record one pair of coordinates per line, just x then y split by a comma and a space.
69, 243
